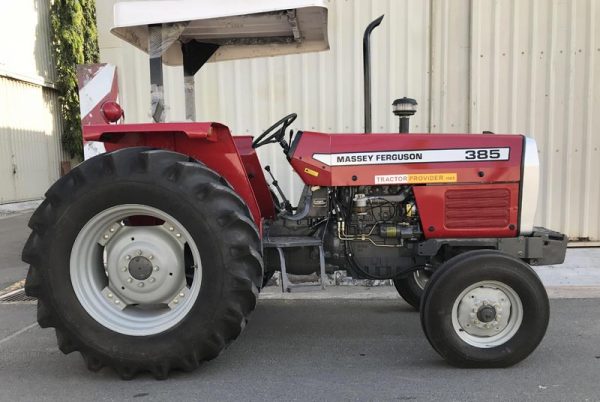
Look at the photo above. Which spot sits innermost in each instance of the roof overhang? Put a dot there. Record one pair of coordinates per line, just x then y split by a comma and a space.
241, 28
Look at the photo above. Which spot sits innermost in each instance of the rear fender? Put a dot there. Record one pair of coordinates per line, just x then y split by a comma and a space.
210, 143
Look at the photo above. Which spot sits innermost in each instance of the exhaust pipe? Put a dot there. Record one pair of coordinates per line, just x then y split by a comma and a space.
367, 70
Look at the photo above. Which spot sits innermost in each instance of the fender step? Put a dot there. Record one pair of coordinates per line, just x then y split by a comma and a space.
281, 242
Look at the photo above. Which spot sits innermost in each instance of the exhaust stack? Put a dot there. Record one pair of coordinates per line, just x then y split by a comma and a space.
367, 70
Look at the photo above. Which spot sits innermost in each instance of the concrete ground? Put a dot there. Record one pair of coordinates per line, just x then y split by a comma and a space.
335, 348
13, 234
318, 350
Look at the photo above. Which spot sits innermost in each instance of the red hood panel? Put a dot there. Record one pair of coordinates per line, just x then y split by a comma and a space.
381, 159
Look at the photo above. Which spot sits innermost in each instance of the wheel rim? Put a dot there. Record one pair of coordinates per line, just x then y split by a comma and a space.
421, 278
487, 314
136, 280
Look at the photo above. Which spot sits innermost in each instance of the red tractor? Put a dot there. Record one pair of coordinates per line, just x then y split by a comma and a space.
151, 256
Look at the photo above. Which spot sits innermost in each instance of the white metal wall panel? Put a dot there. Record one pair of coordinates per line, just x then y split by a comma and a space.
517, 66
450, 64
25, 48
30, 148
30, 131
535, 69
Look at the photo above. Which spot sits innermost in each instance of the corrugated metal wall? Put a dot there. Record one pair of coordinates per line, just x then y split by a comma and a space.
502, 65
535, 68
30, 147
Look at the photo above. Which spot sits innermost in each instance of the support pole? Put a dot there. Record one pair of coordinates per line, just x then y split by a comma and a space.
195, 54
189, 84
157, 93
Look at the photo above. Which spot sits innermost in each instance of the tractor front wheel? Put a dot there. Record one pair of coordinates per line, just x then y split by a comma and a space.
143, 260
484, 309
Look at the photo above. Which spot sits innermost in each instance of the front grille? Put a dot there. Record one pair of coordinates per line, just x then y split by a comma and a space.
477, 208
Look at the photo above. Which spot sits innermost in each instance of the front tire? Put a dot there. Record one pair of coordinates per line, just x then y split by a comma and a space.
195, 277
412, 287
484, 309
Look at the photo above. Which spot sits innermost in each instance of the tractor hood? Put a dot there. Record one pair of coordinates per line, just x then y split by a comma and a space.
241, 28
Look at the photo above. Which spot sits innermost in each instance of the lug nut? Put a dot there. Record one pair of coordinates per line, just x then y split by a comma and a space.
117, 302
175, 301
124, 269
106, 236
181, 294
178, 235
150, 257
139, 252
112, 230
141, 285
156, 268
129, 280
171, 228
110, 295
152, 280
128, 257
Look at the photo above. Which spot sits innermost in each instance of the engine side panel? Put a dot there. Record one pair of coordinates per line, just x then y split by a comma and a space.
465, 185
383, 159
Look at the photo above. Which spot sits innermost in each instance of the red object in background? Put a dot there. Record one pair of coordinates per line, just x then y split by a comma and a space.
112, 111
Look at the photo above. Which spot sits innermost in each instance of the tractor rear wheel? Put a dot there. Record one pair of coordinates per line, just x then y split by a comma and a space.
411, 287
484, 309
143, 260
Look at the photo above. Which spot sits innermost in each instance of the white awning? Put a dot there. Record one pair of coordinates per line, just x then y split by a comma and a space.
242, 28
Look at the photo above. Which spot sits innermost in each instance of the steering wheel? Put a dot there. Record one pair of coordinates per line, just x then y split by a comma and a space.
268, 137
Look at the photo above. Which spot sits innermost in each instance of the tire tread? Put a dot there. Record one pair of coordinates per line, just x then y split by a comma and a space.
201, 183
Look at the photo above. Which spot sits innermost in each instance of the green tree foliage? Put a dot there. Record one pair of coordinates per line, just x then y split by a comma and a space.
75, 42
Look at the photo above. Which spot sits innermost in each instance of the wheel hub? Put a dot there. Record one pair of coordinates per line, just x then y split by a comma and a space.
145, 266
486, 314
140, 268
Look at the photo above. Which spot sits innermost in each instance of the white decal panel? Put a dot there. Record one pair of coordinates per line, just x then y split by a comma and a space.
416, 178
93, 148
416, 156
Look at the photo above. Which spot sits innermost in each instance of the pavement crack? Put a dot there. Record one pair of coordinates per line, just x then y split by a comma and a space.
19, 332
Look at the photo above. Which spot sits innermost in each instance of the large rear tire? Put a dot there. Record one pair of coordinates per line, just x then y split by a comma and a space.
484, 309
94, 254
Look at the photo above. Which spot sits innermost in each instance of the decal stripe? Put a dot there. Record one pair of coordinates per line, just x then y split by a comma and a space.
414, 156
96, 89
97, 84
